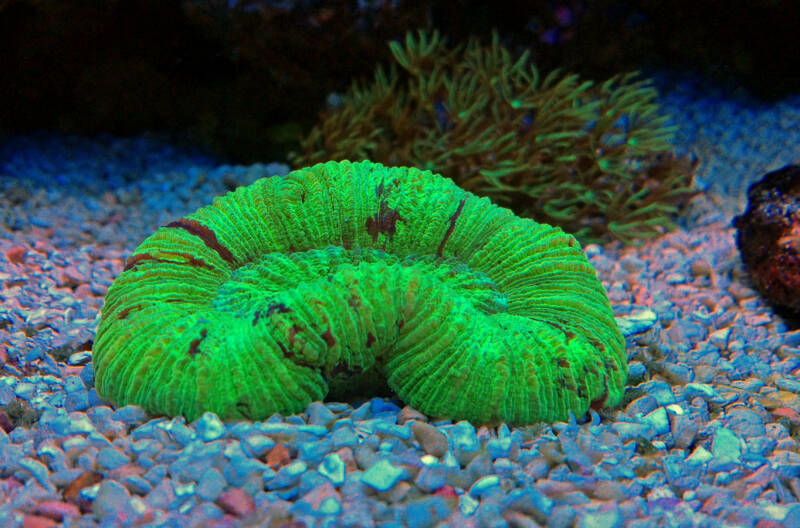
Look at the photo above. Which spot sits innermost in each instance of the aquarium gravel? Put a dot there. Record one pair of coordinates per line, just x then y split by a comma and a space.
707, 435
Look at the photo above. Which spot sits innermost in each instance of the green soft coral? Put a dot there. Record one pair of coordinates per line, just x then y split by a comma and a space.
345, 277
593, 159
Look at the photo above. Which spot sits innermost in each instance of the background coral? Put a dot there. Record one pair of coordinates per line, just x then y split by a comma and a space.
592, 158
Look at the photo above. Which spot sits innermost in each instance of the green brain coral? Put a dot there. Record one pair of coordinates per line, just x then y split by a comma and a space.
346, 277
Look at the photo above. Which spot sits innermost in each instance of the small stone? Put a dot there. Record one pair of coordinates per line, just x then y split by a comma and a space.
209, 427
485, 486
430, 439
211, 485
429, 511
319, 414
727, 450
658, 420
37, 470
333, 467
237, 502
382, 475
110, 458
287, 476
637, 322
257, 444
57, 510
719, 338
464, 441
111, 498
278, 456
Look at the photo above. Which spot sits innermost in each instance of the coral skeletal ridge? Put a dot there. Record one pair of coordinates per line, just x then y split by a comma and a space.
345, 278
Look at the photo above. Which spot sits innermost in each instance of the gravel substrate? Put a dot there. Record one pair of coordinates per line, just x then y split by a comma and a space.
707, 435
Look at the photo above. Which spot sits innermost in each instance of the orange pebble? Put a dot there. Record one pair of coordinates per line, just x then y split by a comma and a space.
16, 255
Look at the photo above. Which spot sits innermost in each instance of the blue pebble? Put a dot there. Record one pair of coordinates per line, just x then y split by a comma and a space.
380, 405
38, 471
156, 474
490, 515
333, 467
499, 447
209, 427
257, 445
313, 452
403, 432
112, 497
382, 475
464, 441
311, 480
73, 384
287, 476
319, 414
727, 450
658, 420
330, 506
485, 486
110, 458
6, 393
76, 401
87, 376
95, 399
138, 484
316, 430
178, 432
432, 477
528, 501
211, 485
242, 469
426, 512
601, 519
362, 412
344, 437
130, 414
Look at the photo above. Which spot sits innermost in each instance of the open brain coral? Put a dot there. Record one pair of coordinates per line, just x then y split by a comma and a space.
346, 277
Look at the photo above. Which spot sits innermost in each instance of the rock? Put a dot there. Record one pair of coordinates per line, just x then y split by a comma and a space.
768, 236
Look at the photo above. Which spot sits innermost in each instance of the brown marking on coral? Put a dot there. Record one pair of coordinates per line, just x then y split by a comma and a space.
123, 314
277, 307
354, 301
193, 346
258, 315
400, 324
598, 403
567, 333
208, 236
190, 259
286, 353
370, 339
385, 220
563, 363
293, 331
327, 336
451, 227
244, 409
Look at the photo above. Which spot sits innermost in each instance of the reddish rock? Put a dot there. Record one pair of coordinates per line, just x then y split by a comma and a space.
278, 456
84, 480
16, 255
768, 236
57, 510
237, 502
35, 521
